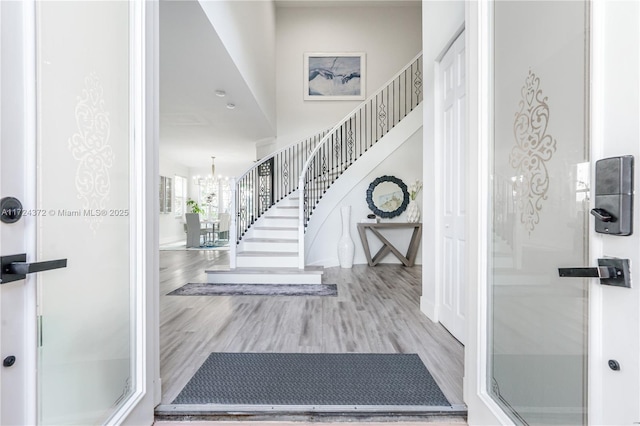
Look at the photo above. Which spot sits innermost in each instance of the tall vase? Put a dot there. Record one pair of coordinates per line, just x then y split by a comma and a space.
413, 212
346, 248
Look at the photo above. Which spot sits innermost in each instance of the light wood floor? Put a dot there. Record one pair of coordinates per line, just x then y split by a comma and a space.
376, 311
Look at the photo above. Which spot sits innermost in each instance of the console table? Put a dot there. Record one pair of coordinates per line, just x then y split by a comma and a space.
408, 259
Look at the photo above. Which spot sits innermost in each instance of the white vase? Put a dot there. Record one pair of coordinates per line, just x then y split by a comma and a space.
413, 212
346, 248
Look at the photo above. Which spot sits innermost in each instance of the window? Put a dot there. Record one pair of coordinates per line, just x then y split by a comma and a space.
180, 195
209, 197
165, 194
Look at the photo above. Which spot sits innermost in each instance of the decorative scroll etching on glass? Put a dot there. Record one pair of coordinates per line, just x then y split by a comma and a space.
537, 321
534, 148
91, 148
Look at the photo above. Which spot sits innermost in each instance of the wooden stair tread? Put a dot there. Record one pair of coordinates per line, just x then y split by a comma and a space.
279, 217
270, 240
268, 254
275, 228
270, 271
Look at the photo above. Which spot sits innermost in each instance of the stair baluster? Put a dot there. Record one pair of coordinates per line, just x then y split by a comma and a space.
376, 115
268, 181
312, 165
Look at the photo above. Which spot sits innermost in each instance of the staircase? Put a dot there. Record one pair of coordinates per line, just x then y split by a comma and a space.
273, 239
268, 251
274, 200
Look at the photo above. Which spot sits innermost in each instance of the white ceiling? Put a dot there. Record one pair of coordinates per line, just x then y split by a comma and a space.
195, 124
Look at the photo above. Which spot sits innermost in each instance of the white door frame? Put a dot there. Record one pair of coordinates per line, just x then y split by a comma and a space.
18, 384
482, 409
144, 113
614, 324
140, 410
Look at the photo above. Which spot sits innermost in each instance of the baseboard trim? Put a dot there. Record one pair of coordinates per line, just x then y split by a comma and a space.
429, 308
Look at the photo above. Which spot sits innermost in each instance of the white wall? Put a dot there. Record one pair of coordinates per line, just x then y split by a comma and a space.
247, 29
390, 36
265, 147
404, 163
440, 22
171, 227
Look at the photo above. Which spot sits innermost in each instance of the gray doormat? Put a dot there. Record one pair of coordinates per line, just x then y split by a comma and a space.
206, 289
313, 379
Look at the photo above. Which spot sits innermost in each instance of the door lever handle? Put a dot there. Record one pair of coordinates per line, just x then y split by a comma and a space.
602, 215
24, 268
611, 271
15, 267
599, 272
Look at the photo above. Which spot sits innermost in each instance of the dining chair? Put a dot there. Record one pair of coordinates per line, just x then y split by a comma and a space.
195, 231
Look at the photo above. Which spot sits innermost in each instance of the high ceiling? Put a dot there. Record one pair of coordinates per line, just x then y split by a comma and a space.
195, 124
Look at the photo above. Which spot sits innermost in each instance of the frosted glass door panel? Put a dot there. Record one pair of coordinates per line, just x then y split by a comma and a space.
85, 342
538, 321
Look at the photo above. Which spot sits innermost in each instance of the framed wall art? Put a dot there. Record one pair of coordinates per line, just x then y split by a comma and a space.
334, 76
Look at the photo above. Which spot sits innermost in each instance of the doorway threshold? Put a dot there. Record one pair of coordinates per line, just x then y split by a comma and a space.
330, 413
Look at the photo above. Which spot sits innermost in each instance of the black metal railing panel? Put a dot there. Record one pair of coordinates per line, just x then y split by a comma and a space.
269, 181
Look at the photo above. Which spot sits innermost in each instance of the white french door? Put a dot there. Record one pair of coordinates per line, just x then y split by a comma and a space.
73, 145
555, 89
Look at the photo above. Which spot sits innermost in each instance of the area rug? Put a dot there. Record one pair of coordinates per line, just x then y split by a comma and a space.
183, 246
313, 379
206, 289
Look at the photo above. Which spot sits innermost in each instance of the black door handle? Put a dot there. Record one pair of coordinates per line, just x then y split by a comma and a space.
611, 271
15, 267
599, 272
603, 215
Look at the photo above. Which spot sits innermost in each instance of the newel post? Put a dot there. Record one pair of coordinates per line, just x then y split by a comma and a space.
301, 221
233, 227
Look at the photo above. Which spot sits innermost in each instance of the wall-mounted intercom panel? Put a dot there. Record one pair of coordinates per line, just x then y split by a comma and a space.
614, 196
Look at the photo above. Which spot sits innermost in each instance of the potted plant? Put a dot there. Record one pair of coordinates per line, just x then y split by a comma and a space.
193, 205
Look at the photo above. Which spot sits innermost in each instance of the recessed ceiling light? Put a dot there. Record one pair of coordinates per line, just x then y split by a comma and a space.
221, 93
231, 106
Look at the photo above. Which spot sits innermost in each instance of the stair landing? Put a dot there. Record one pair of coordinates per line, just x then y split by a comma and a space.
309, 275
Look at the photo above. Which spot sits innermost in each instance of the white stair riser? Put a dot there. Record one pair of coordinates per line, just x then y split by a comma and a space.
269, 246
240, 278
266, 262
279, 222
280, 219
288, 202
270, 233
278, 211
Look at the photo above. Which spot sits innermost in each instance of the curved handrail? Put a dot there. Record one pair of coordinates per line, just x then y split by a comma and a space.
353, 136
258, 188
